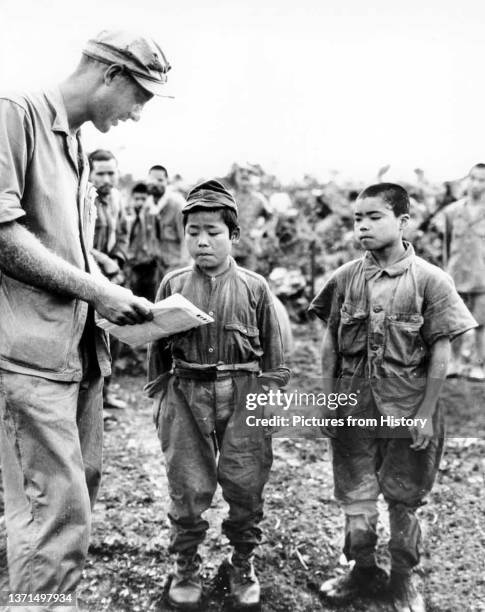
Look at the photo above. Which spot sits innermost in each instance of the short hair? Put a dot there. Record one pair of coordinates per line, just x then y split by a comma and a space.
139, 188
228, 216
100, 155
394, 195
159, 168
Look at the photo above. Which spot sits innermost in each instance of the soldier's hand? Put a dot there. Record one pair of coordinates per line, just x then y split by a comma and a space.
120, 306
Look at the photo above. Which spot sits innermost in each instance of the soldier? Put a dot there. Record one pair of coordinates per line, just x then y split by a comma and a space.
53, 358
110, 241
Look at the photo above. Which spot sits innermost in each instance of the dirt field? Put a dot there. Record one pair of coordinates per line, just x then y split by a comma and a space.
128, 564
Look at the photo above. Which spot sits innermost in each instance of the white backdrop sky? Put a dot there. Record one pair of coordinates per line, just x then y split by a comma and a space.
297, 86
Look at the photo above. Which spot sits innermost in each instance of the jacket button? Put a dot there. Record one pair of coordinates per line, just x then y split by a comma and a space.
211, 350
374, 347
377, 308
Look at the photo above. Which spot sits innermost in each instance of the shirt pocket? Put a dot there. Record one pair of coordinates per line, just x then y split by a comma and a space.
242, 341
352, 330
404, 342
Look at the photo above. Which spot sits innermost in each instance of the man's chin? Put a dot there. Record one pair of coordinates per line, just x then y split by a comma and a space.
102, 127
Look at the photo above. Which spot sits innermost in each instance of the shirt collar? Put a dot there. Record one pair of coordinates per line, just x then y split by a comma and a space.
56, 102
373, 270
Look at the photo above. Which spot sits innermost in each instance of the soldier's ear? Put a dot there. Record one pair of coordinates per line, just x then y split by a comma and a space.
111, 72
404, 221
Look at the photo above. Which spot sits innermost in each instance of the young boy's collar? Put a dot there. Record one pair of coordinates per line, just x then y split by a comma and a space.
372, 268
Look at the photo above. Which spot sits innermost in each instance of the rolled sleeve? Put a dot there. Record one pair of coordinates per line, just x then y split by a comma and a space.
445, 314
15, 150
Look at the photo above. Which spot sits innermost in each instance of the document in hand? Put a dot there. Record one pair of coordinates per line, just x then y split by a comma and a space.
170, 316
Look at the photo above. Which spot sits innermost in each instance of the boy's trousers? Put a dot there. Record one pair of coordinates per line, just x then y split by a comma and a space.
205, 441
51, 443
364, 465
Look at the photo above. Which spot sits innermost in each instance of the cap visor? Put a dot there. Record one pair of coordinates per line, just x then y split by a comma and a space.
204, 204
157, 89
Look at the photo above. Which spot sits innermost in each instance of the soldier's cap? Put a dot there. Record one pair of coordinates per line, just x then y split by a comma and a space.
140, 56
211, 195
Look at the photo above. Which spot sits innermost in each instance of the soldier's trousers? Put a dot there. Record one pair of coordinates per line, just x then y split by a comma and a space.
365, 465
205, 442
51, 443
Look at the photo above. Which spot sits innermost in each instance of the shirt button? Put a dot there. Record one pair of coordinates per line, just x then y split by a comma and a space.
210, 313
377, 308
211, 350
213, 278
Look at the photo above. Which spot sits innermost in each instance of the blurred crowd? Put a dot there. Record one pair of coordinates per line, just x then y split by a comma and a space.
294, 235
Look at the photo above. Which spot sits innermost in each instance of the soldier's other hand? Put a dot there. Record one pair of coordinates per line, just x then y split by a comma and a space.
120, 306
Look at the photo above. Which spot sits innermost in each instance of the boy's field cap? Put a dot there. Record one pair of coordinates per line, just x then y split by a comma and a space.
140, 56
210, 194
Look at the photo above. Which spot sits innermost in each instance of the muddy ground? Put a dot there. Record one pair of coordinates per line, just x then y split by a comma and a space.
128, 563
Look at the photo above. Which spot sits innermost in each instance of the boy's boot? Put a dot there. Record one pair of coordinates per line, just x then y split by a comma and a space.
185, 590
243, 582
367, 581
405, 596
366, 577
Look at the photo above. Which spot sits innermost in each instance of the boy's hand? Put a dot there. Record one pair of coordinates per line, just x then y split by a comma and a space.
422, 435
325, 413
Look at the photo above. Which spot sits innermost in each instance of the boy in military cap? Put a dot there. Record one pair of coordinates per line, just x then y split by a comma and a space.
390, 318
200, 380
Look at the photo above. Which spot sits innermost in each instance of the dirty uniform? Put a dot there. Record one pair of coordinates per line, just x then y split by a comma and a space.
157, 243
110, 243
384, 322
110, 231
464, 252
204, 375
52, 357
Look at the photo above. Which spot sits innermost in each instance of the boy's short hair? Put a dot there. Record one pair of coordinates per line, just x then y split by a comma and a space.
228, 216
140, 188
394, 195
